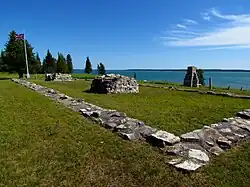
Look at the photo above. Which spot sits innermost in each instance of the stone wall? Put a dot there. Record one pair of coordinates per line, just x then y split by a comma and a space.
58, 77
191, 78
112, 83
190, 151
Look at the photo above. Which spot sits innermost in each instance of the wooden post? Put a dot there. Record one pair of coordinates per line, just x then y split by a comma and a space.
210, 83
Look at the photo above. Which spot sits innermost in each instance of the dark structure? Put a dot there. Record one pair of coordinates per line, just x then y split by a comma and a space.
111, 83
191, 79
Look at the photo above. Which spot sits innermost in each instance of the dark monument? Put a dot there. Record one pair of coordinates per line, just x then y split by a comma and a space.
191, 79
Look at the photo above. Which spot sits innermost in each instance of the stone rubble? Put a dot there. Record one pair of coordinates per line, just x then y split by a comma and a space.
112, 83
190, 151
58, 77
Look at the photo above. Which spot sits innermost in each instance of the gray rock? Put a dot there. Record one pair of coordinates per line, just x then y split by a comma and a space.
190, 137
114, 84
146, 131
244, 114
224, 143
110, 125
215, 150
198, 155
189, 165
162, 138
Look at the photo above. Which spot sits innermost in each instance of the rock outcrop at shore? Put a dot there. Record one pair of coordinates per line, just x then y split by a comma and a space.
112, 83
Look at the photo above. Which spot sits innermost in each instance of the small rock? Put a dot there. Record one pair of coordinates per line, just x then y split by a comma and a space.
190, 137
225, 130
224, 143
244, 114
110, 125
128, 136
216, 150
175, 161
162, 138
198, 154
189, 165
146, 131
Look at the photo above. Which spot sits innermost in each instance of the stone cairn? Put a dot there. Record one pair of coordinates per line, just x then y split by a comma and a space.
191, 79
112, 83
189, 152
57, 77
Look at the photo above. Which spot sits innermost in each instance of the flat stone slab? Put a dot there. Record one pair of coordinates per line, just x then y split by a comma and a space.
162, 138
188, 165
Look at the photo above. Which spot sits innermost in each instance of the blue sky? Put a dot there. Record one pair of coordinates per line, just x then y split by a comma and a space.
127, 34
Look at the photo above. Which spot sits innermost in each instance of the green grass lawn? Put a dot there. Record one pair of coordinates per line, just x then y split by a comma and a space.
202, 88
174, 111
35, 151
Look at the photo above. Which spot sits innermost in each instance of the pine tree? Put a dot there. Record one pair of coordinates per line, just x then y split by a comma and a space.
44, 67
69, 64
88, 66
61, 64
50, 63
13, 55
101, 69
98, 69
35, 65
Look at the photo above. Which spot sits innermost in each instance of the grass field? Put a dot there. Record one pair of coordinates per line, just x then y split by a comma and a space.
203, 88
174, 111
35, 151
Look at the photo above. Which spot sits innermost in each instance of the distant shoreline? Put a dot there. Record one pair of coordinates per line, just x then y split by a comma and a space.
206, 70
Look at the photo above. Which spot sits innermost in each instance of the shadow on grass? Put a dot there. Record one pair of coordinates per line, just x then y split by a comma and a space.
4, 78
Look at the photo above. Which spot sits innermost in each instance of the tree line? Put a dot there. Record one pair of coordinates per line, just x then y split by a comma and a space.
12, 60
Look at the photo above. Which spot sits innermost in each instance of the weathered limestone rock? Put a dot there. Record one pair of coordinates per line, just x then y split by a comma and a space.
111, 83
163, 138
188, 165
191, 79
57, 77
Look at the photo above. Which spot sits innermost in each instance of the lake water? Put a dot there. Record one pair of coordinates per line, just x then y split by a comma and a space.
220, 79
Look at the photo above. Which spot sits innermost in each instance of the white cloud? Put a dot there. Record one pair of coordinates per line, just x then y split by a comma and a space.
205, 16
181, 26
231, 32
190, 21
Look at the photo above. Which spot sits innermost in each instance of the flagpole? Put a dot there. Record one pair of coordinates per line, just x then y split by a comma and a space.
26, 58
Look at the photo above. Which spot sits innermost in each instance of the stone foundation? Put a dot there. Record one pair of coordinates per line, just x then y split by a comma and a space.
57, 77
190, 151
112, 83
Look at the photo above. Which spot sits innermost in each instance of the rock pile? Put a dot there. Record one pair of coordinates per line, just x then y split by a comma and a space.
198, 146
191, 150
58, 77
191, 79
112, 83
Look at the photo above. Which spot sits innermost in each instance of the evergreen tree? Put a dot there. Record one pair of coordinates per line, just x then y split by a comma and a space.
101, 69
61, 64
69, 64
50, 63
200, 73
35, 65
88, 66
98, 69
13, 55
44, 66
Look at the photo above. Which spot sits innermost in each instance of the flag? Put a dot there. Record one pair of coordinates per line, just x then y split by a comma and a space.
20, 36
